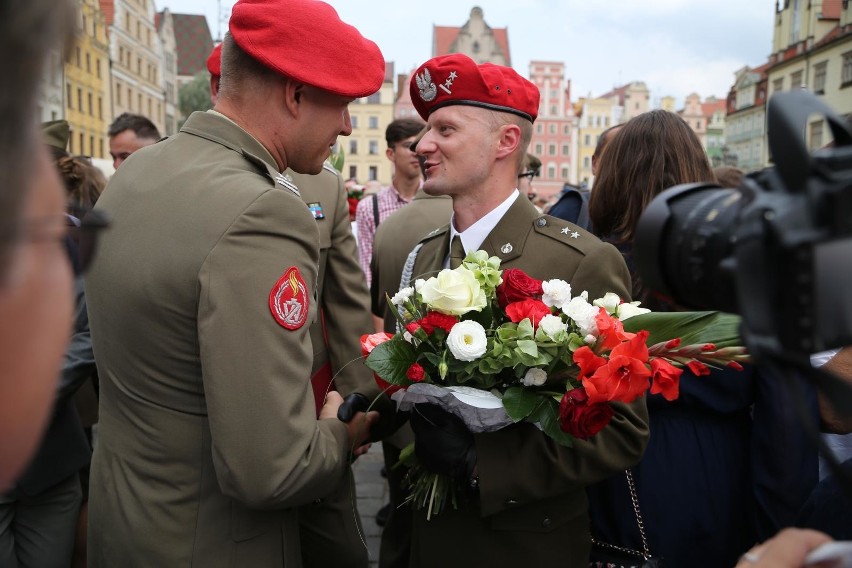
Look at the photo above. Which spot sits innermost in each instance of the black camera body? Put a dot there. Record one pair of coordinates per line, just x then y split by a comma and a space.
777, 250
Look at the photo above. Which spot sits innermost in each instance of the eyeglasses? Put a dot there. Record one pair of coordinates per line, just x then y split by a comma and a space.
83, 231
530, 174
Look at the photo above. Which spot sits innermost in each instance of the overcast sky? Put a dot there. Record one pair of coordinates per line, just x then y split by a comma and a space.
675, 46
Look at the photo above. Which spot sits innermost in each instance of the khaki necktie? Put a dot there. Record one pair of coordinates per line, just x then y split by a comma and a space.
456, 252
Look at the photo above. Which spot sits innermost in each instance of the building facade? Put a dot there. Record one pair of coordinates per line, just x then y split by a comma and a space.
554, 139
87, 106
745, 123
594, 116
364, 151
475, 38
168, 48
634, 98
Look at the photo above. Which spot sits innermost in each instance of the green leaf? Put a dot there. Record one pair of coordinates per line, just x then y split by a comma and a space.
719, 328
391, 359
547, 415
528, 347
520, 402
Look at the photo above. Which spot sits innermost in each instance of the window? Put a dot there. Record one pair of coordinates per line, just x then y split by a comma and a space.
353, 172
553, 129
816, 135
374, 173
353, 147
551, 149
130, 100
566, 130
82, 149
538, 149
846, 69
91, 145
553, 109
374, 148
605, 122
375, 98
69, 102
121, 55
587, 162
354, 121
139, 102
91, 106
778, 85
796, 80
564, 172
100, 147
565, 150
88, 63
539, 128
98, 67
587, 140
551, 172
373, 121
77, 50
819, 77
79, 99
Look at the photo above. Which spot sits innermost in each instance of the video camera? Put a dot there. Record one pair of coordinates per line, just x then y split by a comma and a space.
777, 250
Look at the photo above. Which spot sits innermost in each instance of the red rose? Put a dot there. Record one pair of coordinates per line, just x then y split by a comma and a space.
368, 343
610, 330
415, 373
353, 206
625, 375
439, 320
412, 327
665, 379
532, 309
581, 419
588, 362
517, 286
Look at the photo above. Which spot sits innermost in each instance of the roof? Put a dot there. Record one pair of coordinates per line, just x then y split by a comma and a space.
616, 92
708, 109
194, 43
108, 8
444, 36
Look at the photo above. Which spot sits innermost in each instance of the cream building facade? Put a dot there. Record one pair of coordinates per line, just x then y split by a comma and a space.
594, 116
364, 151
167, 47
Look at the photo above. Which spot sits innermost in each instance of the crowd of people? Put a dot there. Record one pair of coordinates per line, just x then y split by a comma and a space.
213, 334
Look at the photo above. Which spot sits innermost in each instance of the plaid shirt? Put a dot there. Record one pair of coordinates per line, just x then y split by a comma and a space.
389, 201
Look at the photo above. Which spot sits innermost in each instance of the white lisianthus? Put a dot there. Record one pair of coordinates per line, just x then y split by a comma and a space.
583, 313
553, 327
453, 292
467, 341
556, 292
402, 296
534, 377
629, 309
609, 302
418, 284
590, 339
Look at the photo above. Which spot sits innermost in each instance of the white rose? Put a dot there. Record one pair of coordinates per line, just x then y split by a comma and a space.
609, 302
552, 326
408, 337
467, 341
402, 296
556, 292
535, 377
453, 292
583, 313
418, 284
628, 310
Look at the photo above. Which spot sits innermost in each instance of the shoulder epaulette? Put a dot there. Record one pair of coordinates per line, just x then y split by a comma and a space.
328, 167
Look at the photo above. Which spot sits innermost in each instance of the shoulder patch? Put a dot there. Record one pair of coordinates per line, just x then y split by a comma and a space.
434, 233
288, 300
566, 232
329, 168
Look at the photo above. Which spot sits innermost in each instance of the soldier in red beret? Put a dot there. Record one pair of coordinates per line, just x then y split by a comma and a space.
526, 502
202, 302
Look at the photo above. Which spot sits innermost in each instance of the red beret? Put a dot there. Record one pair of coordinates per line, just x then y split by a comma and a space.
456, 79
307, 41
214, 61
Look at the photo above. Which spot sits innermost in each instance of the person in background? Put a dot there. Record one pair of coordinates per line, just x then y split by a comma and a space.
205, 357
728, 176
127, 134
405, 182
530, 169
36, 301
714, 478
526, 502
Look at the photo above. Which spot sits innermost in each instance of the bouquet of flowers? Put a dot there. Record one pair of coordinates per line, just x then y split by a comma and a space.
354, 194
495, 347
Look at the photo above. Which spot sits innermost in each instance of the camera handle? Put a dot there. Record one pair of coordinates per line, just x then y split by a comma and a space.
787, 117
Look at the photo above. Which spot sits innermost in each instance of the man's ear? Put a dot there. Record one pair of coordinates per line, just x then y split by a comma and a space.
509, 139
293, 93
389, 154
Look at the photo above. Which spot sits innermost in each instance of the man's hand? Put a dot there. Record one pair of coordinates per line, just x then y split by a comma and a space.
390, 420
358, 424
443, 444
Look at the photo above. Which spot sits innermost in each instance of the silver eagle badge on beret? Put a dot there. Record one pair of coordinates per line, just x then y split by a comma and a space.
428, 90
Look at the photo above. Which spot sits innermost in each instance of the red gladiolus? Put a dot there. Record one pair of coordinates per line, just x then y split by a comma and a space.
580, 418
588, 362
625, 376
532, 309
708, 347
698, 368
610, 330
673, 343
517, 286
434, 320
415, 373
665, 379
735, 365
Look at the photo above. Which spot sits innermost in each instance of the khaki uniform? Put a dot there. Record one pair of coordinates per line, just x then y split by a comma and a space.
208, 435
330, 526
395, 238
532, 507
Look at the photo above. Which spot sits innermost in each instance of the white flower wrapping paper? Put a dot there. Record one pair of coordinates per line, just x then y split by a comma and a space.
481, 411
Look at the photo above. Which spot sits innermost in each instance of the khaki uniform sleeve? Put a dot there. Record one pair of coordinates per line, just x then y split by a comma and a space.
346, 304
269, 451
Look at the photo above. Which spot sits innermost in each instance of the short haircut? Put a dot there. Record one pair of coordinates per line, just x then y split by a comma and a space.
29, 31
402, 128
140, 125
237, 66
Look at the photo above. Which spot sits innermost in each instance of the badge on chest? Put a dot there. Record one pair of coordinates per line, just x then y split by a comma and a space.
316, 210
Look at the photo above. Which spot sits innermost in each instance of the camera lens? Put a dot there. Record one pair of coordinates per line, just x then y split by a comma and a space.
682, 241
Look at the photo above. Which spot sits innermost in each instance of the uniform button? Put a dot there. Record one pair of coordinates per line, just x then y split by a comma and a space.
541, 222
546, 522
511, 502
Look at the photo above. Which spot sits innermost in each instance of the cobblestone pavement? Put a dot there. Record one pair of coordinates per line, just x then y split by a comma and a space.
372, 492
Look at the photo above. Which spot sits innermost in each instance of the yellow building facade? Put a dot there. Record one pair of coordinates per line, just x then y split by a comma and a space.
364, 151
86, 97
595, 116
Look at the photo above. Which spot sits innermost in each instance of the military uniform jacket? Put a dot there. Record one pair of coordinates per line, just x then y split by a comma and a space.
208, 433
532, 507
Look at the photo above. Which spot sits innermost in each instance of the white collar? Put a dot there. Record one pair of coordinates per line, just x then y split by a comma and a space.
473, 237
